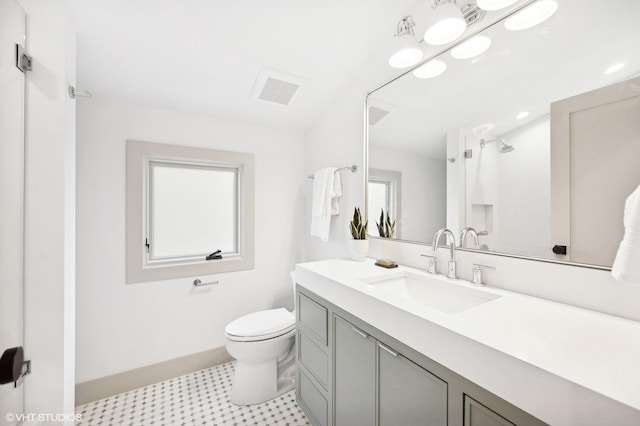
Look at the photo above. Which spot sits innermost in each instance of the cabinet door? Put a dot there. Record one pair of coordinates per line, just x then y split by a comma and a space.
476, 414
355, 383
408, 394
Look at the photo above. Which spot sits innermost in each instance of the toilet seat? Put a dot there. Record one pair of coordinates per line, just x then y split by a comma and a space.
261, 325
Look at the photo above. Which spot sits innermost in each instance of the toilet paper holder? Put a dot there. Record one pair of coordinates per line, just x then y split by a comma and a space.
199, 283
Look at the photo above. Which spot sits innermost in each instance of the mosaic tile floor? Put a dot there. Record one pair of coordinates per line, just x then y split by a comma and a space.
200, 398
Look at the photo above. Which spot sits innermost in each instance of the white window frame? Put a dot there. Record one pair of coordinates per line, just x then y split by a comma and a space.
141, 267
393, 181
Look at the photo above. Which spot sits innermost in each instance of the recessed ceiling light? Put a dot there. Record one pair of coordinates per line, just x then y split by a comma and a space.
431, 69
522, 115
614, 68
472, 47
531, 15
445, 24
494, 4
405, 58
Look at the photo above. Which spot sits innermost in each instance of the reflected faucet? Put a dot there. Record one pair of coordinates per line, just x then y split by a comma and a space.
451, 273
463, 236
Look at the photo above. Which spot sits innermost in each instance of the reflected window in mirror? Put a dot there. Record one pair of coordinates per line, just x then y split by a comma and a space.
384, 189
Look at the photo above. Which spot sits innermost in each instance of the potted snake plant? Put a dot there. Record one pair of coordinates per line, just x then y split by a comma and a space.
359, 243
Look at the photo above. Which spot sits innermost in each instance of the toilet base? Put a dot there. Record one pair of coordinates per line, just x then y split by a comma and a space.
257, 383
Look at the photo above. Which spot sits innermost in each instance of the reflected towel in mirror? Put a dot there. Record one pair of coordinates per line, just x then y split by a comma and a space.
626, 267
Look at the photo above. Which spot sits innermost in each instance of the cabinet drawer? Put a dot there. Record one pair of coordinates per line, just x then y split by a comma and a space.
476, 414
313, 358
312, 399
314, 317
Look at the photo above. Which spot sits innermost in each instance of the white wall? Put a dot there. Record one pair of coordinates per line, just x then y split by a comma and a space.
121, 327
49, 210
423, 191
524, 192
508, 194
336, 143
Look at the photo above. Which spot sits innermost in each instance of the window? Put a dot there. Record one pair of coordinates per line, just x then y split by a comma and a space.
383, 192
183, 204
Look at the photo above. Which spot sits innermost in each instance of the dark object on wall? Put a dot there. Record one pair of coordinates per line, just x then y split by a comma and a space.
560, 250
11, 365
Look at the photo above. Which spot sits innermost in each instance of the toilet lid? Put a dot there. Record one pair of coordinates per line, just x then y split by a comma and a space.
261, 323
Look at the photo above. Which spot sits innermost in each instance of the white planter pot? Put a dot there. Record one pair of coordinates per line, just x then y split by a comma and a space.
359, 249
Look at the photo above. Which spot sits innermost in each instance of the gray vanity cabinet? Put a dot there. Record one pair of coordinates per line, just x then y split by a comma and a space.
313, 360
355, 381
371, 377
352, 374
408, 394
476, 414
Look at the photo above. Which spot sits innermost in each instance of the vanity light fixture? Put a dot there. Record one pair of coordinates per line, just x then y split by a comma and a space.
445, 24
494, 4
531, 15
408, 54
431, 69
472, 47
614, 68
522, 114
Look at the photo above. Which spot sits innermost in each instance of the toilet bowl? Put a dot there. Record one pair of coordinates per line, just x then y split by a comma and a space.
263, 345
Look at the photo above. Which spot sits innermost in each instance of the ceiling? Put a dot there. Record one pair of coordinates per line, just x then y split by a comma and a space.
204, 56
523, 70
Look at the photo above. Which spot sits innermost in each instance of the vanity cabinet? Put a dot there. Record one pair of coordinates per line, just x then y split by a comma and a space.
313, 360
476, 414
372, 378
354, 390
352, 374
408, 394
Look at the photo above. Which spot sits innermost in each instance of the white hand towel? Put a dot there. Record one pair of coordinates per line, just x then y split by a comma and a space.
626, 267
325, 190
336, 194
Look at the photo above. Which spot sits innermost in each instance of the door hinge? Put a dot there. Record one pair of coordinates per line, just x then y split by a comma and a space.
24, 62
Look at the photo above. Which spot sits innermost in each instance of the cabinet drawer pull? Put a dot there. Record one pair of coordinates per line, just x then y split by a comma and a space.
360, 332
391, 351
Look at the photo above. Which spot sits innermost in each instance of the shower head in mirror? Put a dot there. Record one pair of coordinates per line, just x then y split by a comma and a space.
504, 147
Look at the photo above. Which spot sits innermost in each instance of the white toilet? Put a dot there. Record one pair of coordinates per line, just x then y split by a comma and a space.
263, 345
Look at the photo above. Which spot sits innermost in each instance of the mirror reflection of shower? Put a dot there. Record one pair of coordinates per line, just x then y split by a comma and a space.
504, 147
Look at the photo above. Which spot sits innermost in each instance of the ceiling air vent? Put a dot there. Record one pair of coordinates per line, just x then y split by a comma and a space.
278, 91
275, 86
376, 114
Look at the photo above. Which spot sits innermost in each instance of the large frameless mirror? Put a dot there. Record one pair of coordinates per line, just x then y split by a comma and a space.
534, 142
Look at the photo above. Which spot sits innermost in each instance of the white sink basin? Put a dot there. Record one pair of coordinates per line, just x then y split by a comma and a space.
434, 292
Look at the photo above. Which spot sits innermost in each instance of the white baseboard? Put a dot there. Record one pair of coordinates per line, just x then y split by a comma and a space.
104, 387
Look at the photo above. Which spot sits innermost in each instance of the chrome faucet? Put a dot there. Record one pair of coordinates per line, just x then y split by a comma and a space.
451, 272
463, 236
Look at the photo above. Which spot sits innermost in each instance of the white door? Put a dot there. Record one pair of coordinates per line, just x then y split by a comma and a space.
12, 32
595, 143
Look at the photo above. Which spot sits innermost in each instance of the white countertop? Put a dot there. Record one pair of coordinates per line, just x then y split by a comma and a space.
562, 364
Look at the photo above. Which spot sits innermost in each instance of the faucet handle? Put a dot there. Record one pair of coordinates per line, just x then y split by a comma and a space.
432, 263
477, 273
